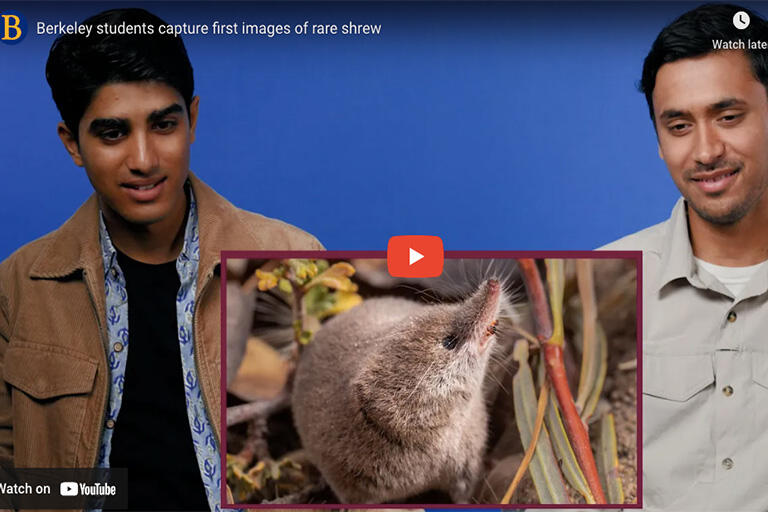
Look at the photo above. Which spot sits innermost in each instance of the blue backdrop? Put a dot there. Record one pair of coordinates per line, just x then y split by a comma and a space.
493, 125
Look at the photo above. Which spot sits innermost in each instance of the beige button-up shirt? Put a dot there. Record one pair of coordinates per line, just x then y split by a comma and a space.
705, 379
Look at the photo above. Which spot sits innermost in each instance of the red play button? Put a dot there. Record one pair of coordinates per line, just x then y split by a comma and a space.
415, 256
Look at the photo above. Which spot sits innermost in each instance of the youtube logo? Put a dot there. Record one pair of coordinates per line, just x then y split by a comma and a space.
68, 489
415, 256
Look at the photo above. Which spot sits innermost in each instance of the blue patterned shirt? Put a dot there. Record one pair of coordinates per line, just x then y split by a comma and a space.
187, 263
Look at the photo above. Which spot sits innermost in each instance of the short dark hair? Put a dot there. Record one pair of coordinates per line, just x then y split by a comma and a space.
691, 35
79, 65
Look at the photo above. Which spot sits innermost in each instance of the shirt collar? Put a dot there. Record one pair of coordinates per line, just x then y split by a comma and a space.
191, 248
108, 252
189, 251
678, 262
677, 254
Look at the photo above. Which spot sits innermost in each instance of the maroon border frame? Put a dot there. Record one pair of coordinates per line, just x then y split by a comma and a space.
637, 256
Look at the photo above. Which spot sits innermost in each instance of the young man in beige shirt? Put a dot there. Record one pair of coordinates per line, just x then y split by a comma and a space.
705, 277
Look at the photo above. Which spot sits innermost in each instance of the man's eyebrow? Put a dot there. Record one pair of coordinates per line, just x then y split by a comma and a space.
156, 115
111, 123
720, 105
672, 114
727, 103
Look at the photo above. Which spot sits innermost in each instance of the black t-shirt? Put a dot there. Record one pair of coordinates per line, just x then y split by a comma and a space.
152, 437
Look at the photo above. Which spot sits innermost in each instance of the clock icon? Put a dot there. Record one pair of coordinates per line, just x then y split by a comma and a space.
741, 20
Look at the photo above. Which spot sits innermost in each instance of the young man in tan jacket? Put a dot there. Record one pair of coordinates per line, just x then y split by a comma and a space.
134, 271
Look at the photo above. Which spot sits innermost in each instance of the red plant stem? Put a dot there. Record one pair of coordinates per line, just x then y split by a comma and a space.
553, 357
542, 318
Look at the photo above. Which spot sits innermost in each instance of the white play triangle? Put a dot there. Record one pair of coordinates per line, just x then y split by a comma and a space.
414, 256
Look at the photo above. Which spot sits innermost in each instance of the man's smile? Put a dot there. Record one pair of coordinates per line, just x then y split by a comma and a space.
145, 190
712, 182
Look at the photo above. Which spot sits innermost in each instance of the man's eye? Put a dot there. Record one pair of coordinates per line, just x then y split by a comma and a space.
731, 118
111, 135
678, 128
166, 125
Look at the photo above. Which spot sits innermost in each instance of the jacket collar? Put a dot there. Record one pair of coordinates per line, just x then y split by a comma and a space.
75, 245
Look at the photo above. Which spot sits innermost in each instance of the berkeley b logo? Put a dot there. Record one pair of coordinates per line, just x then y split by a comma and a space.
13, 27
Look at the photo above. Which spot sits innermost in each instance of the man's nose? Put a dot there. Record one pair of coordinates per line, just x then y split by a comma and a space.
142, 157
709, 146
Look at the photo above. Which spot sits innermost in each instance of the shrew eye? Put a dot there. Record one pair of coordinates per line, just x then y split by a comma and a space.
450, 342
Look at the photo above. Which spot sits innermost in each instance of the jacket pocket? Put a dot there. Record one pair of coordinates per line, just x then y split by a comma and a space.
677, 425
50, 391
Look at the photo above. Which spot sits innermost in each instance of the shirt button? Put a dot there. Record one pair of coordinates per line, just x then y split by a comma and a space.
727, 390
728, 463
111, 424
732, 316
114, 272
118, 347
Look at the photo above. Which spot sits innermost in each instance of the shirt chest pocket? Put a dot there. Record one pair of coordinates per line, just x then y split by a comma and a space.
760, 410
677, 424
50, 391
760, 369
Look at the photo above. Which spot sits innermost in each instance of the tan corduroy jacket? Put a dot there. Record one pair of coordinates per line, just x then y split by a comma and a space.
53, 366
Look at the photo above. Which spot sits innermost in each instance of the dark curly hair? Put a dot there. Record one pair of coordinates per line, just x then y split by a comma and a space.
79, 65
691, 35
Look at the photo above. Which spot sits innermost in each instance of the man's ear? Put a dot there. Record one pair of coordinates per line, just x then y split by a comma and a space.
661, 153
193, 107
70, 144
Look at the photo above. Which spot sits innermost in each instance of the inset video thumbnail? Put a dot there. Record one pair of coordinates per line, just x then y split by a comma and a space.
346, 385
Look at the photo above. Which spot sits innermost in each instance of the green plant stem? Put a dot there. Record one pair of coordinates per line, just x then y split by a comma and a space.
588, 374
540, 409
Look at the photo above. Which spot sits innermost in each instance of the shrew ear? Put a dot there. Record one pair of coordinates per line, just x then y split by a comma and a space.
376, 401
387, 405
70, 144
